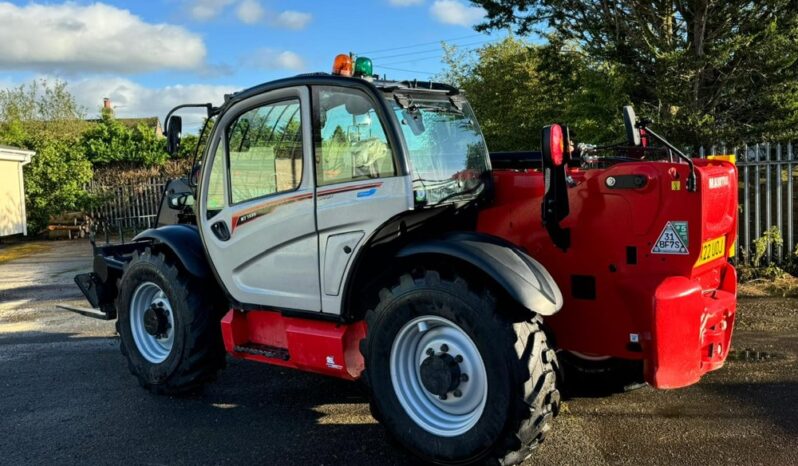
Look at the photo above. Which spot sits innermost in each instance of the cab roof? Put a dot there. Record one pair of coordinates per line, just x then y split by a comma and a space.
381, 85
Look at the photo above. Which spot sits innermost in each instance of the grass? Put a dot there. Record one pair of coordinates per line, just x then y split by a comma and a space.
785, 286
16, 251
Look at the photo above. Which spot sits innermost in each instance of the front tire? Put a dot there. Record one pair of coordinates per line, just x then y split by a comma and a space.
168, 326
452, 378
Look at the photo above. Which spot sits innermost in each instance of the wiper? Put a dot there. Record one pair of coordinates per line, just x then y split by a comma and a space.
407, 103
442, 183
462, 193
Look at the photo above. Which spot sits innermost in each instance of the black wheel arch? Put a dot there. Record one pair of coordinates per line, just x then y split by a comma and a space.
521, 277
184, 243
496, 263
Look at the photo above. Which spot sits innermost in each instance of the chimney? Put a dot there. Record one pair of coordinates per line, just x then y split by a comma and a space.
107, 103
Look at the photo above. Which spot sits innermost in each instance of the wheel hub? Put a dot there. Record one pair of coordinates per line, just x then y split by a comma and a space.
156, 320
440, 374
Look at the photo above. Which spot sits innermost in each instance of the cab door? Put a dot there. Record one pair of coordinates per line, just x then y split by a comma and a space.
360, 185
257, 205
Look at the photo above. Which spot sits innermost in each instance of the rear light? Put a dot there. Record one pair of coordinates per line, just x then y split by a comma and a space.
556, 145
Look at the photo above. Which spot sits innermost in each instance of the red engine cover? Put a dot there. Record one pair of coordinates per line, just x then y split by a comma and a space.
630, 289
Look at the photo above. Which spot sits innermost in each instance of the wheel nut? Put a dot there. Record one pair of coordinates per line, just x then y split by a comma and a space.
443, 397
464, 377
458, 359
458, 393
430, 352
444, 348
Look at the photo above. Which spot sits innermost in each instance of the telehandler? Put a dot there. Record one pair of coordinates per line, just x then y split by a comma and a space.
359, 228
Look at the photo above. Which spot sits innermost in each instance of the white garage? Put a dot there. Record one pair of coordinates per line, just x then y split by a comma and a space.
12, 190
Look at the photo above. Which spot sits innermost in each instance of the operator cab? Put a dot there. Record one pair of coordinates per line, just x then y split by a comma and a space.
313, 170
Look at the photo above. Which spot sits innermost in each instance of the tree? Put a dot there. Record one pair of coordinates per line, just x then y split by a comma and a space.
704, 70
109, 141
516, 88
43, 116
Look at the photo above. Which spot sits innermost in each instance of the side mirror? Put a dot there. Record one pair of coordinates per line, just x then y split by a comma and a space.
630, 122
174, 128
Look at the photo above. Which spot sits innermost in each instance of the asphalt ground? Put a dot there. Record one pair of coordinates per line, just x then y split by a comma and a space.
66, 397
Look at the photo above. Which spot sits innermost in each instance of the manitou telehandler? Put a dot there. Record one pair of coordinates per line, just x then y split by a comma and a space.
358, 228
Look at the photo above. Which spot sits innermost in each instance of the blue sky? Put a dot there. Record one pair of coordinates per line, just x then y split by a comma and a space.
149, 55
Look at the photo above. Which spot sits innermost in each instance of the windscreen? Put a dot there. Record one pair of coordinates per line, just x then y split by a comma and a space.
448, 156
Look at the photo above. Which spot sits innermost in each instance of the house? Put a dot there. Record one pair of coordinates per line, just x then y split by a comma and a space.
12, 190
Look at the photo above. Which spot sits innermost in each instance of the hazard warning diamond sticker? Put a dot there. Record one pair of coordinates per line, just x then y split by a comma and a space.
672, 240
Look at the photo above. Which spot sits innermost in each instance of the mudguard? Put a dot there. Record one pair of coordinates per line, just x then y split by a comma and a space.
524, 278
185, 242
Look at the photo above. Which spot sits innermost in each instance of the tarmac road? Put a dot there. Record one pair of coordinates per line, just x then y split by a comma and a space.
67, 397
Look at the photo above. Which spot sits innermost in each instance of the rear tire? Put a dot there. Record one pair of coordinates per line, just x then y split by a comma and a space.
178, 348
510, 360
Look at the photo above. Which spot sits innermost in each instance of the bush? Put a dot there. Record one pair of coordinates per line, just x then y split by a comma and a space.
771, 238
109, 141
55, 180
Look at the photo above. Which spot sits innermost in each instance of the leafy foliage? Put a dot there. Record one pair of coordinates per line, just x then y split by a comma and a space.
771, 238
110, 141
516, 88
703, 70
45, 118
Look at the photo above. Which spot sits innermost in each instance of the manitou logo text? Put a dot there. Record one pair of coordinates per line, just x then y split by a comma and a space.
718, 182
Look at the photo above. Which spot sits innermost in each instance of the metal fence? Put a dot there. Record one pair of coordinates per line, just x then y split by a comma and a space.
766, 196
131, 206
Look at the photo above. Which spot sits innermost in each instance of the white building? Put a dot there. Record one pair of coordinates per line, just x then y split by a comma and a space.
12, 190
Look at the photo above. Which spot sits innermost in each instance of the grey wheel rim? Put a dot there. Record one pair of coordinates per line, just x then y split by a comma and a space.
154, 348
460, 409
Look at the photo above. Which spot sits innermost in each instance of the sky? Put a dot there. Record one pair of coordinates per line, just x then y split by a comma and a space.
148, 56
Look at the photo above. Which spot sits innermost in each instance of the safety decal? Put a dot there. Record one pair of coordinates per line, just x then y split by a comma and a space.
672, 240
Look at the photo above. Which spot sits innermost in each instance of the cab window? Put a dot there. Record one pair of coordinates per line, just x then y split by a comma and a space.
215, 199
352, 143
264, 147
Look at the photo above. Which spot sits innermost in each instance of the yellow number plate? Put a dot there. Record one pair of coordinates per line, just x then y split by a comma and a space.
711, 250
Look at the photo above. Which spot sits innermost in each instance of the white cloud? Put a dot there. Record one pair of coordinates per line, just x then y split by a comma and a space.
405, 2
131, 99
249, 12
455, 12
96, 38
292, 19
203, 10
269, 59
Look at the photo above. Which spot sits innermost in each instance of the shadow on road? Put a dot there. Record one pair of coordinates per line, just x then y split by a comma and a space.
73, 400
773, 402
